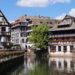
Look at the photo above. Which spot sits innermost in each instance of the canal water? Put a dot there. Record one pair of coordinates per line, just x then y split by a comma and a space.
45, 66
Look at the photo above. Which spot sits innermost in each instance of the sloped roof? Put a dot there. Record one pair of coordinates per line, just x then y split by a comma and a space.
3, 20
64, 22
36, 20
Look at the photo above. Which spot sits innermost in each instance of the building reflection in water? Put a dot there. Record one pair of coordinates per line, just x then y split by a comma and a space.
55, 66
25, 68
30, 63
62, 64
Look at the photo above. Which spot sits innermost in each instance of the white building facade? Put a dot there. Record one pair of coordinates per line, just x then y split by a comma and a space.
5, 31
18, 34
22, 28
62, 38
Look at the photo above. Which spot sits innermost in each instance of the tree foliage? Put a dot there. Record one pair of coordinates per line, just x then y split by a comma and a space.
39, 36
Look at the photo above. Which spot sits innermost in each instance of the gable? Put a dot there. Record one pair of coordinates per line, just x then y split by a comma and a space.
3, 20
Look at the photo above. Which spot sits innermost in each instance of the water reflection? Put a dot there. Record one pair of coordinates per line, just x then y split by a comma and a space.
30, 63
23, 69
50, 66
62, 64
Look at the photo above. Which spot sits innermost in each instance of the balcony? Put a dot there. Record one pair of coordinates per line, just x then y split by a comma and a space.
5, 33
63, 40
62, 35
62, 43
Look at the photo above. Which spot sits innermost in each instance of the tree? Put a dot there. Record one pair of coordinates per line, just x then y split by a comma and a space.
39, 36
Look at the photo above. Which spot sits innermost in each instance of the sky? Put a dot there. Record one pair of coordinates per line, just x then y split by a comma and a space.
56, 9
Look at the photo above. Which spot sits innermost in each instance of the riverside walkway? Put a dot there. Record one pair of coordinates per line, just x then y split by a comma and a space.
6, 55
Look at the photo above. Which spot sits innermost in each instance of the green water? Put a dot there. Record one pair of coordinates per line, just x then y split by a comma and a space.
45, 66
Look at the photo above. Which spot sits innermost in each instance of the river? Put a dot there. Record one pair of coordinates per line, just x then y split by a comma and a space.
45, 66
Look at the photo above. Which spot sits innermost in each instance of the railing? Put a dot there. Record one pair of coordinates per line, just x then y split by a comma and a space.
62, 35
61, 43
68, 40
4, 33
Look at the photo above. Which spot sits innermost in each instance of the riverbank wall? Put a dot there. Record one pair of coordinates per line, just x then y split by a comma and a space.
11, 63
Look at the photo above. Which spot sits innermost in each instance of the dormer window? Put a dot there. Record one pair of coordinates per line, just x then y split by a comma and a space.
65, 23
63, 26
41, 22
27, 19
30, 22
50, 22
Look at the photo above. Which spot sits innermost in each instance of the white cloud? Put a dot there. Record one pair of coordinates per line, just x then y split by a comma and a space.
72, 12
39, 3
60, 16
32, 3
11, 21
60, 1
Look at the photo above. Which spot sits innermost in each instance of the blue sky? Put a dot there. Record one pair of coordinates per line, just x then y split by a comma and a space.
52, 8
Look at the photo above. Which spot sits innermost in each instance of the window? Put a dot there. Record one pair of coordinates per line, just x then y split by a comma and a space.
17, 41
59, 48
17, 35
53, 48
29, 21
71, 48
22, 28
3, 29
23, 34
65, 48
41, 22
22, 40
27, 40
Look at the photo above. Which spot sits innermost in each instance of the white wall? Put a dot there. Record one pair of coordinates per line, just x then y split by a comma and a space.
3, 39
7, 29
